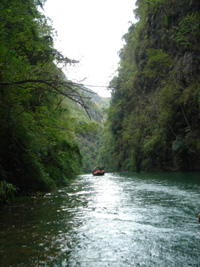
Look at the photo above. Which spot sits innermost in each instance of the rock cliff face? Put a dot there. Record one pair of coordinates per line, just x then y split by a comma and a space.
158, 89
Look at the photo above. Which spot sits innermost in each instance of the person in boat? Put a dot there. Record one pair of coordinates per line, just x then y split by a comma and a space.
102, 170
98, 170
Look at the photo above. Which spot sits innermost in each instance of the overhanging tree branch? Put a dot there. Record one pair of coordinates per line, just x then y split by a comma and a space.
57, 85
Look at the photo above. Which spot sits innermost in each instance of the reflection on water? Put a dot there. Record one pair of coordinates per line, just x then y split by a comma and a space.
115, 220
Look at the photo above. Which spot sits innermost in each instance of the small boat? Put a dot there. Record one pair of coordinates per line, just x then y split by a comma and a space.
98, 171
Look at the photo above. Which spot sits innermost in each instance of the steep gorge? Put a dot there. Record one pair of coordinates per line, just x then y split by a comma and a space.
153, 121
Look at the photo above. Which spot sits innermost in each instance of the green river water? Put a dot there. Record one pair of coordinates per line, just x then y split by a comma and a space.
119, 219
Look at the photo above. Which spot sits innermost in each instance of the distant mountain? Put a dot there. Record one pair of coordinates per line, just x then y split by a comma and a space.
89, 130
97, 105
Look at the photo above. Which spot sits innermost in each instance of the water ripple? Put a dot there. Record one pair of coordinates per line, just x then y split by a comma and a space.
115, 220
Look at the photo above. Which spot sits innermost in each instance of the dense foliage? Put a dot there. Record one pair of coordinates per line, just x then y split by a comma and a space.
153, 122
38, 146
89, 130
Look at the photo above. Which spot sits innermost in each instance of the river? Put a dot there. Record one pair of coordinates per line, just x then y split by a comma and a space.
119, 219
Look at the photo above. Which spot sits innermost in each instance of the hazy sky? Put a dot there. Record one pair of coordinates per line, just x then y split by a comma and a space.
91, 31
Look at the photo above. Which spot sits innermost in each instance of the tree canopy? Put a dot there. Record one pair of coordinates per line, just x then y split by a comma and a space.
39, 150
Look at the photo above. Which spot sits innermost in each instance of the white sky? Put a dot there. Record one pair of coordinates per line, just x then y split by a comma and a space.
91, 31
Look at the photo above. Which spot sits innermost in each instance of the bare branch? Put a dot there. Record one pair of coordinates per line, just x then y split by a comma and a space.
72, 94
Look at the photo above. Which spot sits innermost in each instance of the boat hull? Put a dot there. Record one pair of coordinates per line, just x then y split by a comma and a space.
98, 174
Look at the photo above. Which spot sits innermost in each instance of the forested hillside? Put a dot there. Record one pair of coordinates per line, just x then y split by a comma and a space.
38, 146
89, 129
154, 120
53, 129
